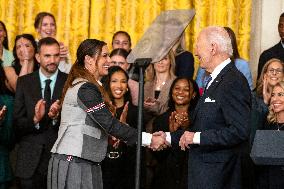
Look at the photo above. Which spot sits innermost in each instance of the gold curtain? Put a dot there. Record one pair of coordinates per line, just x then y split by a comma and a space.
80, 19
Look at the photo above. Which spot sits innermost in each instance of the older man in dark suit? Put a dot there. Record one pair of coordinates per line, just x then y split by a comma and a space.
218, 137
277, 51
36, 114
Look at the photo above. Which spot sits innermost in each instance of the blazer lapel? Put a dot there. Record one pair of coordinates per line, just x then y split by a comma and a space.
212, 88
35, 82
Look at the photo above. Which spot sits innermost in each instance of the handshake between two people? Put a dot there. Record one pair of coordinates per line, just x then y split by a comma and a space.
160, 140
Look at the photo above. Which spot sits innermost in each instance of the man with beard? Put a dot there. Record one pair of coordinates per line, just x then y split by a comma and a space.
36, 115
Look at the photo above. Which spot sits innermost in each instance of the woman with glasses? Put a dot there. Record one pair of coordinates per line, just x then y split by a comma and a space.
271, 74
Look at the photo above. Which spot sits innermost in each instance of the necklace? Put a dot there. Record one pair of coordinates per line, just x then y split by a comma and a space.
158, 87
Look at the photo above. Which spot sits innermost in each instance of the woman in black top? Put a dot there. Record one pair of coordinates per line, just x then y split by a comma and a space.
272, 176
118, 167
171, 170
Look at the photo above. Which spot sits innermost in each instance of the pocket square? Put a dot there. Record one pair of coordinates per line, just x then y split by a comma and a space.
208, 99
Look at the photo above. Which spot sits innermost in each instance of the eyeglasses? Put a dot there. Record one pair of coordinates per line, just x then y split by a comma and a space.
118, 63
276, 71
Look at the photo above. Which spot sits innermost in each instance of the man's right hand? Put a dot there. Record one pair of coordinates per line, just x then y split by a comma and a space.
39, 111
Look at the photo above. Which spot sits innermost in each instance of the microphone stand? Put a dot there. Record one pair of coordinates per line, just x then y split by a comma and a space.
142, 64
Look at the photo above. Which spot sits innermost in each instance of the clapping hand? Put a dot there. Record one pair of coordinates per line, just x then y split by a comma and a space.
178, 120
63, 51
39, 111
3, 112
123, 115
54, 110
266, 92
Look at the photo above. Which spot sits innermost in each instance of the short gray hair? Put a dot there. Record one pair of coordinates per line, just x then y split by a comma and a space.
218, 35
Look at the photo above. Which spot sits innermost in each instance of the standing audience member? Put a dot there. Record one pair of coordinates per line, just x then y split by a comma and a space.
171, 169
218, 138
25, 62
36, 115
86, 120
159, 78
271, 74
118, 167
45, 26
184, 59
272, 176
118, 58
6, 131
241, 64
5, 55
277, 51
121, 39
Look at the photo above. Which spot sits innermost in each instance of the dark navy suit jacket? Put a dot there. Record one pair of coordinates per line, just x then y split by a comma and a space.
222, 116
34, 144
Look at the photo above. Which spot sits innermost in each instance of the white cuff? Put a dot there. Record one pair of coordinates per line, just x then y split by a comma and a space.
196, 138
168, 137
146, 139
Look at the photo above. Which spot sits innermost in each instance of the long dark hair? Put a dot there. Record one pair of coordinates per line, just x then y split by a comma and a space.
193, 86
90, 47
112, 70
5, 42
16, 63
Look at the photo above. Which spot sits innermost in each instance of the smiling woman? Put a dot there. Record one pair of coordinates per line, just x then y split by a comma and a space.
272, 176
171, 169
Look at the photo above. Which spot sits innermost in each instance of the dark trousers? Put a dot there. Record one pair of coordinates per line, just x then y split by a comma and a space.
38, 181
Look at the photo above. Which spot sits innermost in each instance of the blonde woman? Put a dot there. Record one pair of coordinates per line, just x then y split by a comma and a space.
272, 176
271, 74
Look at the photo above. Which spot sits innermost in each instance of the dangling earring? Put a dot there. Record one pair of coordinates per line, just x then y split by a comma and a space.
126, 89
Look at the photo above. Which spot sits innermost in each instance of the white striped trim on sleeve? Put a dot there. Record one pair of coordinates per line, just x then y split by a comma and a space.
95, 108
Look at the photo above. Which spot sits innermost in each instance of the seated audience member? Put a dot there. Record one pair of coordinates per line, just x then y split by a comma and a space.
271, 74
272, 176
25, 62
45, 26
5, 55
277, 51
118, 168
36, 115
6, 131
240, 63
118, 58
184, 59
171, 169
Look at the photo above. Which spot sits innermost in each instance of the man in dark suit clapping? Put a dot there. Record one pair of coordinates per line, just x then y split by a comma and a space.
36, 115
220, 130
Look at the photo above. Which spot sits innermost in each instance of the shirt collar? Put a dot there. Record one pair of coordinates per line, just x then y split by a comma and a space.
53, 77
282, 43
218, 69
